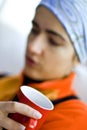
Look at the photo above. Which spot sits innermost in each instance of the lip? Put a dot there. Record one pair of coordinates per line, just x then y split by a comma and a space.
30, 61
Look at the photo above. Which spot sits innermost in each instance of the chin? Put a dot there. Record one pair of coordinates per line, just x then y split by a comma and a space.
32, 74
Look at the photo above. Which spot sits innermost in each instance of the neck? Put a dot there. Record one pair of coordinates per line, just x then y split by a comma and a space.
28, 80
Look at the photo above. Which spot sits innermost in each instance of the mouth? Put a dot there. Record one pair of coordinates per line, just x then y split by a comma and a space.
30, 61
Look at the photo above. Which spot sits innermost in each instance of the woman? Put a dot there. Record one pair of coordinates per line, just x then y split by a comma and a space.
56, 45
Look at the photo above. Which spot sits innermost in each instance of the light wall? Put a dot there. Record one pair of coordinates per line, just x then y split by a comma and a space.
15, 24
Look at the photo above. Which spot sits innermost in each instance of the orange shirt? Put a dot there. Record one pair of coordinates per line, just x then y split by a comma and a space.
68, 115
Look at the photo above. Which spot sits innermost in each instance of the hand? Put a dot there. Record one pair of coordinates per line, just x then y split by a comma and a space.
15, 107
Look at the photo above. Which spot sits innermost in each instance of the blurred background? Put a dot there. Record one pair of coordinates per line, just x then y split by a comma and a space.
15, 24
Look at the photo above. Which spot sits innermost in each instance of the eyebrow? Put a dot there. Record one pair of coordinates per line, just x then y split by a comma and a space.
49, 31
55, 33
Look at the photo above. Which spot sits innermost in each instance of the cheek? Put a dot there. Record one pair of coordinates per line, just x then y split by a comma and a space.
61, 59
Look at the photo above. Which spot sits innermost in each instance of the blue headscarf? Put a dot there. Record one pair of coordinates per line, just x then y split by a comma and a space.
73, 16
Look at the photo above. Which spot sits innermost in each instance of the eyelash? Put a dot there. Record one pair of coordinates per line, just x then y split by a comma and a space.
34, 31
52, 42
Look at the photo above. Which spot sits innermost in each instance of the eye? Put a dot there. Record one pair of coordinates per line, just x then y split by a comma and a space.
34, 31
53, 43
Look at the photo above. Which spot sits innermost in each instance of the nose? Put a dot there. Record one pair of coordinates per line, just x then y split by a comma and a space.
36, 45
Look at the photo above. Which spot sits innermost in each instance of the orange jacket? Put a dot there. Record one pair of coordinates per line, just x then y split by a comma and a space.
67, 115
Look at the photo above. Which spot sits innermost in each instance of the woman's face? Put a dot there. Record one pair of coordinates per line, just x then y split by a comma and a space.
49, 52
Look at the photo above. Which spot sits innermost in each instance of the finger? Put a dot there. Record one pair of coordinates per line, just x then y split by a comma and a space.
9, 124
16, 107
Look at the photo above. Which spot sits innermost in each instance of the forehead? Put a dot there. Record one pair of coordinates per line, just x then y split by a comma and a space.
47, 20
44, 15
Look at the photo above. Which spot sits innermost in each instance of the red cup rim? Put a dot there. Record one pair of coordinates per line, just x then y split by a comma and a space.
49, 105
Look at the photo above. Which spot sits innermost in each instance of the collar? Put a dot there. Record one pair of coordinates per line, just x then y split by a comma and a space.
55, 89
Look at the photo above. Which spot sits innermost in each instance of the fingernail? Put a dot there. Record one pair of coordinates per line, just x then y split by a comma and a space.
22, 127
37, 115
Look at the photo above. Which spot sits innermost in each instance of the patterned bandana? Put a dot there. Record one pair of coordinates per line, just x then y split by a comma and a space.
73, 16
